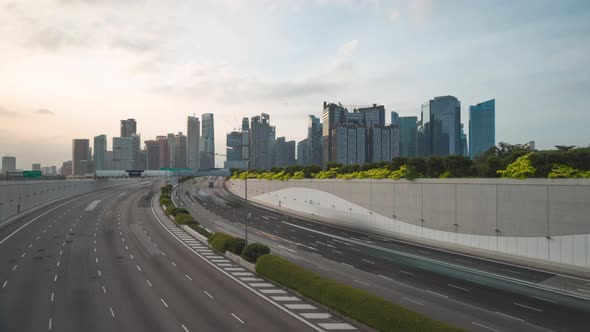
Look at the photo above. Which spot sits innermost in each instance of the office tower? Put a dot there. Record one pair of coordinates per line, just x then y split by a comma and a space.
66, 168
332, 116
314, 141
109, 160
128, 127
193, 136
234, 151
285, 152
383, 143
164, 152
245, 124
180, 154
303, 153
272, 148
463, 143
152, 148
349, 144
35, 167
172, 149
79, 154
100, 152
408, 129
208, 135
394, 118
482, 127
260, 132
8, 164
440, 131
138, 158
123, 154
49, 171
372, 116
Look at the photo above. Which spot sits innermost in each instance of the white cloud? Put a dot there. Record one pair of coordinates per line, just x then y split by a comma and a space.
394, 16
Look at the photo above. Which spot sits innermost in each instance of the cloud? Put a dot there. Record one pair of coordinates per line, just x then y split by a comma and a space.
52, 38
44, 111
420, 9
136, 45
348, 48
7, 114
394, 16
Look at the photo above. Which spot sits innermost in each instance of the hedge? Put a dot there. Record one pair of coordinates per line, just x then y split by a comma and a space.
253, 251
199, 229
220, 241
359, 305
179, 210
236, 246
169, 209
166, 201
184, 219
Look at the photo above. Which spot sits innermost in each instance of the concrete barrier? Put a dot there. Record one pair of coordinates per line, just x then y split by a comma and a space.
541, 219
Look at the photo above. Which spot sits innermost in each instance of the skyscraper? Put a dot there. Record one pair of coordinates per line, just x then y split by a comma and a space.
209, 141
164, 152
463, 143
180, 150
408, 129
193, 137
234, 152
172, 149
394, 118
260, 132
35, 167
349, 144
8, 164
100, 152
79, 156
383, 143
482, 127
332, 115
440, 130
152, 149
303, 153
138, 162
285, 152
314, 141
128, 127
123, 153
372, 116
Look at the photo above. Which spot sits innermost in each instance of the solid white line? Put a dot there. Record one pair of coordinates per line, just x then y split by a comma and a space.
362, 283
542, 299
52, 297
526, 306
584, 290
148, 282
439, 294
461, 288
405, 298
382, 276
189, 278
293, 251
511, 271
347, 265
406, 272
364, 260
238, 318
338, 252
485, 327
164, 302
208, 294
50, 323
499, 313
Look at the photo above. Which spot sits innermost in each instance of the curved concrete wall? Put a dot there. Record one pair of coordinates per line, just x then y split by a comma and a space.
543, 219
29, 194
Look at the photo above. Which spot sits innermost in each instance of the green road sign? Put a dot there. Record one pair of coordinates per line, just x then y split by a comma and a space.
31, 174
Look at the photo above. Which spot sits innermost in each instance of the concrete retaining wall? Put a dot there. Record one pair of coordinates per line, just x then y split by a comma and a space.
544, 219
28, 194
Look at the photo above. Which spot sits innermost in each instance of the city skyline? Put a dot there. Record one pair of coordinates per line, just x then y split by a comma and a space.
409, 52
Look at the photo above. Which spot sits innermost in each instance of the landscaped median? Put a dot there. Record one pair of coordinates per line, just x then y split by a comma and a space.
359, 305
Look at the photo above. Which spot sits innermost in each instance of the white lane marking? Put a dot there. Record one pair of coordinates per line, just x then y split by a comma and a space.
163, 254
104, 290
139, 268
338, 252
164, 302
584, 290
303, 245
96, 259
526, 306
384, 277
52, 297
300, 306
112, 312
184, 327
542, 299
23, 255
519, 319
362, 283
189, 278
370, 262
323, 268
37, 238
148, 282
511, 271
337, 326
439, 294
173, 263
314, 315
413, 301
293, 251
55, 278
61, 252
347, 265
99, 274
131, 256
285, 298
261, 284
30, 245
325, 244
14, 268
94, 249
485, 327
50, 323
461, 288
406, 272
273, 291
126, 247
208, 294
238, 318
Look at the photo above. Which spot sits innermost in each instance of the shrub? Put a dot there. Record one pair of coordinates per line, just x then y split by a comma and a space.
175, 211
359, 305
165, 196
199, 229
184, 219
520, 169
253, 251
220, 241
236, 246
166, 201
169, 209
166, 189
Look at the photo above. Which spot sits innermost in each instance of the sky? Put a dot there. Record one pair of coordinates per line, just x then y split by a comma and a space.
75, 68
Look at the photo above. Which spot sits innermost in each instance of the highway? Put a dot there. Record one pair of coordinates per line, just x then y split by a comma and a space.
102, 262
472, 293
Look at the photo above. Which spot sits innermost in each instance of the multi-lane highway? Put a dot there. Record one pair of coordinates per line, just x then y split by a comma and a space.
473, 293
102, 262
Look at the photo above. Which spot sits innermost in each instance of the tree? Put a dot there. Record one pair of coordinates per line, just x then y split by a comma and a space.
520, 169
564, 147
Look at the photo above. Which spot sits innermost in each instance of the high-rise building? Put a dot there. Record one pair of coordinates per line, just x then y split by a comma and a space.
172, 149
66, 168
463, 143
260, 132
285, 152
193, 145
123, 154
482, 127
245, 124
100, 152
8, 164
180, 145
234, 158
303, 153
79, 154
208, 136
49, 171
349, 145
440, 130
314, 141
109, 161
128, 127
36, 167
372, 116
408, 129
332, 116
383, 143
138, 158
164, 152
152, 157
394, 118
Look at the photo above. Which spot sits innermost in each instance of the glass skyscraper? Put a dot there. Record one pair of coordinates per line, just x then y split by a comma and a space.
440, 131
408, 130
482, 127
